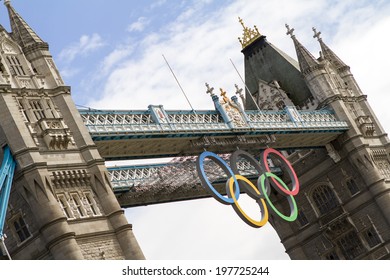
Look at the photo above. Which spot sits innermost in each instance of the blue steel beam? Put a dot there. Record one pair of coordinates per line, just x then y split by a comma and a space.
6, 175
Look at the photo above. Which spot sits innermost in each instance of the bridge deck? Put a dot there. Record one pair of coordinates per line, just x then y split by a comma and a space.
138, 134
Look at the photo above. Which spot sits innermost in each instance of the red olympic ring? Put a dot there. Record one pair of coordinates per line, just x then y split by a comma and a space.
290, 170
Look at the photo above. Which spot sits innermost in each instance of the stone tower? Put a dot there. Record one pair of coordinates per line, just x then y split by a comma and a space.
61, 205
344, 202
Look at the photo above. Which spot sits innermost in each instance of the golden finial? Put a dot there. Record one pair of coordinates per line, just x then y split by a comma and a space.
249, 35
224, 97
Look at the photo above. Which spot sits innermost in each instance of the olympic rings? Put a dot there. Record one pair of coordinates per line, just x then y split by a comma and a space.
260, 193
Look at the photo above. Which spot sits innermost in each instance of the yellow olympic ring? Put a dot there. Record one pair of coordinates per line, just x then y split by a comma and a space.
238, 209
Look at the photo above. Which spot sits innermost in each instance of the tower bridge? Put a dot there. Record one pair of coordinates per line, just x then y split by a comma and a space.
62, 203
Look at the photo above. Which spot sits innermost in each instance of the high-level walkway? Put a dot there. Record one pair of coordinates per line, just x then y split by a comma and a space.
146, 134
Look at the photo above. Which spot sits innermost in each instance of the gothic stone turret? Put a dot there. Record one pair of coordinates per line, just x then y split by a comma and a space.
344, 202
62, 205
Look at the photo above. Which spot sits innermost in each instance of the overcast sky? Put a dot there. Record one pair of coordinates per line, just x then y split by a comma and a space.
110, 53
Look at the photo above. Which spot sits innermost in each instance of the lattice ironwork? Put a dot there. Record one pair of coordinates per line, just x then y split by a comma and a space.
128, 123
268, 116
115, 118
178, 173
318, 116
6, 175
198, 117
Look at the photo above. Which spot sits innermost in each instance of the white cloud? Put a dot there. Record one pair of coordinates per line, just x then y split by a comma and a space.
69, 72
85, 45
115, 57
198, 48
138, 25
158, 4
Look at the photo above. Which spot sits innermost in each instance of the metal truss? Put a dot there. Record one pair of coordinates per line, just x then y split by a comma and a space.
6, 175
106, 125
135, 184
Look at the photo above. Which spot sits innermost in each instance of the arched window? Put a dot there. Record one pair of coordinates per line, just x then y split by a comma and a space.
352, 187
324, 199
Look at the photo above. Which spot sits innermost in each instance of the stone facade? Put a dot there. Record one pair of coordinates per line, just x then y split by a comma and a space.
61, 205
344, 201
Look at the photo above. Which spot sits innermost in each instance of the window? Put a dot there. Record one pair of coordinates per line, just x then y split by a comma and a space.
37, 109
23, 110
78, 205
92, 204
332, 256
21, 229
324, 199
351, 246
2, 69
372, 237
352, 187
302, 219
65, 206
15, 66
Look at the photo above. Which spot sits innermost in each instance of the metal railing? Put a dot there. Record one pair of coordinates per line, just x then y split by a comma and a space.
134, 123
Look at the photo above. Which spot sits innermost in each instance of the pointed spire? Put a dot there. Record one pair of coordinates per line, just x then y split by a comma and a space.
328, 53
307, 62
21, 31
